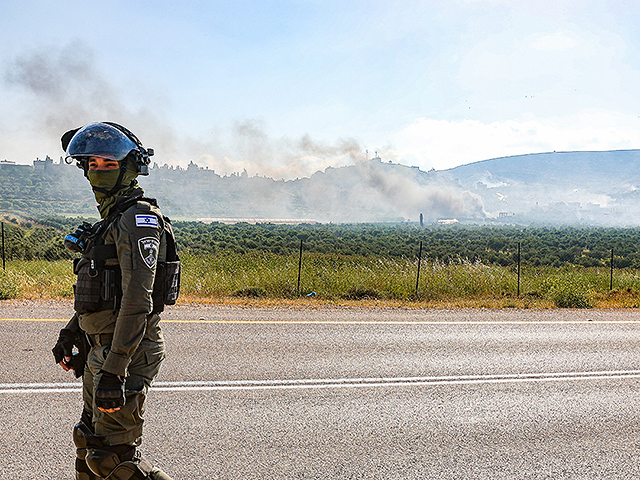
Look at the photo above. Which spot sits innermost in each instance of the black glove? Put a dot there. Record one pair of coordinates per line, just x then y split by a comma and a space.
64, 346
77, 363
110, 391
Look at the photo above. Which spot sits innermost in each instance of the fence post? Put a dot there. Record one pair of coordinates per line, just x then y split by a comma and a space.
299, 266
419, 262
611, 275
518, 269
3, 255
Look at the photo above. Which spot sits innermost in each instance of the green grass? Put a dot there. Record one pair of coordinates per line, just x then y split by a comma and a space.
327, 278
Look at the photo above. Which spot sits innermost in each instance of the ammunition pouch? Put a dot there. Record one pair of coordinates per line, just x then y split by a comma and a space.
98, 287
166, 286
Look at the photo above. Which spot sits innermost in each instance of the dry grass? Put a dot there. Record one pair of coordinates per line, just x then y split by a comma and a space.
264, 279
523, 302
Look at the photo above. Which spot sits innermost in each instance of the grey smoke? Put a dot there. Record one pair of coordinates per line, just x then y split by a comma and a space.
64, 86
406, 191
64, 89
254, 150
348, 146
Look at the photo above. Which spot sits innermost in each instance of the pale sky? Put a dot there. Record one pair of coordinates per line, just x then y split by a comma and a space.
286, 88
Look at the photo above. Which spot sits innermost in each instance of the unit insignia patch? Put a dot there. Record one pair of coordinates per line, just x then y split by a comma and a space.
148, 247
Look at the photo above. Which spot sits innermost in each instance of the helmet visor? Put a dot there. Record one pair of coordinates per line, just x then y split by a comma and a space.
100, 140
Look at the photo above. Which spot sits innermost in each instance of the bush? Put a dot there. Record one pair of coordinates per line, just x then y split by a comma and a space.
362, 293
252, 292
567, 293
9, 286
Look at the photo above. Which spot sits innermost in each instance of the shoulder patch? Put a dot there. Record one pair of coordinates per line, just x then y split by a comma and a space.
146, 221
148, 248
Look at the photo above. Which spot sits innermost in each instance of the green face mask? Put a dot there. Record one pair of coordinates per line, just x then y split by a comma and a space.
107, 179
103, 179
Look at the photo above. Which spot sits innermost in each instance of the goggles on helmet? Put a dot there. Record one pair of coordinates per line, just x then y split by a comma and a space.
106, 140
100, 140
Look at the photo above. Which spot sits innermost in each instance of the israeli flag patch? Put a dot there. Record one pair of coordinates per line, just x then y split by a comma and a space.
146, 221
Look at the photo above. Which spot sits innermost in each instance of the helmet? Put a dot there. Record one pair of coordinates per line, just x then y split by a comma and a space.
107, 140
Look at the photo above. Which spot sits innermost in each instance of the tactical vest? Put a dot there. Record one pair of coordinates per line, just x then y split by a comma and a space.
99, 286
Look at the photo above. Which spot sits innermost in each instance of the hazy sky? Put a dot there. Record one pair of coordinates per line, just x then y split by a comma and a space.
285, 88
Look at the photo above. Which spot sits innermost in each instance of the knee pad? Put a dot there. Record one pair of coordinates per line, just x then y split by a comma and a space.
128, 471
84, 476
83, 472
82, 435
108, 465
158, 474
83, 438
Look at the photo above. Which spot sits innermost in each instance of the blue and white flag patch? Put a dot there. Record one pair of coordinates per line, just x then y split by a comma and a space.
146, 221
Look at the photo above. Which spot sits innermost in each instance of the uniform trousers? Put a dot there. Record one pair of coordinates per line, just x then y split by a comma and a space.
123, 427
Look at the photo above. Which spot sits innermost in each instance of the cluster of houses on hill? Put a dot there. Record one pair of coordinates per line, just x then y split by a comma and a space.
48, 165
45, 165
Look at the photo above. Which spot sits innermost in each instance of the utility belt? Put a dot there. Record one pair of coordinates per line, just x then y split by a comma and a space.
100, 339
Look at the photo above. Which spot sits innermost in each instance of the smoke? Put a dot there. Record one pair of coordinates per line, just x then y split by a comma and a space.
250, 147
403, 190
63, 88
345, 146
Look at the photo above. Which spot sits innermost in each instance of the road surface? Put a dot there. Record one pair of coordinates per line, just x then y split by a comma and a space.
345, 393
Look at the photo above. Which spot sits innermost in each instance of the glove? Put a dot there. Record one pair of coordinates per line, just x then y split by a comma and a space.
64, 346
77, 363
110, 391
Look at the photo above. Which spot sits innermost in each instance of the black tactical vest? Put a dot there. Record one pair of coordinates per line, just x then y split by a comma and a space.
99, 286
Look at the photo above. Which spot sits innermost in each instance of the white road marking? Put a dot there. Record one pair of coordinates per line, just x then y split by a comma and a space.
200, 386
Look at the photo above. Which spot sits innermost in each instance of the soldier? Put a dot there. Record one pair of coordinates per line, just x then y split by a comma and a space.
127, 272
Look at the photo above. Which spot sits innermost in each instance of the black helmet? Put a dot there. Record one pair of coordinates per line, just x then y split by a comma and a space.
107, 140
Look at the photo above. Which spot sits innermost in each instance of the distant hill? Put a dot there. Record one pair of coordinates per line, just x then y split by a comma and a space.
568, 188
605, 171
598, 188
366, 192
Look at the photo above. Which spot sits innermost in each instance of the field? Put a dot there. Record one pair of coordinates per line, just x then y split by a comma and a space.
362, 264
259, 277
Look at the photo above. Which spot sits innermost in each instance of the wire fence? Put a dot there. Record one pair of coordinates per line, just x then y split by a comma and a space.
38, 266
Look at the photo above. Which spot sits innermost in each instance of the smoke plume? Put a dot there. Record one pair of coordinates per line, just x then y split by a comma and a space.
63, 88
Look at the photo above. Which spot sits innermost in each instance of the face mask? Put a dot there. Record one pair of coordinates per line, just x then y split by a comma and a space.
107, 179
103, 179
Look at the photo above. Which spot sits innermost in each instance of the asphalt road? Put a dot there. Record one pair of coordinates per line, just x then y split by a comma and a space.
341, 393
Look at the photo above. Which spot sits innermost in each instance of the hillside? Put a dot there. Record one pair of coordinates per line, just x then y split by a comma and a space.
568, 188
599, 188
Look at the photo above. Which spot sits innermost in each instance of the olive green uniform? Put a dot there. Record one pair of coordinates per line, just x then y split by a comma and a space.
127, 341
124, 281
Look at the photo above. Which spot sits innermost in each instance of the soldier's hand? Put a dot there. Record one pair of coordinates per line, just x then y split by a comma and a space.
65, 363
63, 349
110, 393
